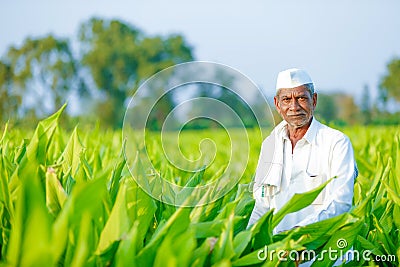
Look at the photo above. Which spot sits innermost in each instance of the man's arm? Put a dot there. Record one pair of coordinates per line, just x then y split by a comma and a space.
339, 192
260, 207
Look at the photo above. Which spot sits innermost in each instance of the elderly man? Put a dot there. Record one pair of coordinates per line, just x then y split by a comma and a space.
299, 155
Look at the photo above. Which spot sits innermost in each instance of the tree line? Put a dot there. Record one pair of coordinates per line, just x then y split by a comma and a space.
111, 58
108, 60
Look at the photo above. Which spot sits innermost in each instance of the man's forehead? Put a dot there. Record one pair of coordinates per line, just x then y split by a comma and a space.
296, 90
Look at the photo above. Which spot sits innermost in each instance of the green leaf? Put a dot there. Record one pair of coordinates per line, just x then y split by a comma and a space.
55, 194
264, 254
84, 242
84, 171
116, 177
31, 225
240, 243
170, 250
176, 224
394, 196
207, 229
70, 158
367, 245
316, 234
341, 241
298, 202
224, 247
262, 230
40, 140
118, 222
200, 254
384, 238
127, 249
5, 196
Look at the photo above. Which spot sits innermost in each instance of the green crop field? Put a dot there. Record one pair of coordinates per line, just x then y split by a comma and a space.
68, 199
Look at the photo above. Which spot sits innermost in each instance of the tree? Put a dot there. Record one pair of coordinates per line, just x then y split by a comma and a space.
326, 109
390, 83
44, 65
348, 111
366, 108
339, 108
120, 57
10, 100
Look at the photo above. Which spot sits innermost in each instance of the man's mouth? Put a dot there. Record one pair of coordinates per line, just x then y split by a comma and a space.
297, 115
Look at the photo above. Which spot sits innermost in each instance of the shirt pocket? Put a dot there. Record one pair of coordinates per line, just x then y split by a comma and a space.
312, 181
315, 175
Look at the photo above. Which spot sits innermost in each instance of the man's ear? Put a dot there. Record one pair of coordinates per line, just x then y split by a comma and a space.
314, 99
276, 102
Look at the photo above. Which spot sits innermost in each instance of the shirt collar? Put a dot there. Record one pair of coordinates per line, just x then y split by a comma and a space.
312, 131
310, 134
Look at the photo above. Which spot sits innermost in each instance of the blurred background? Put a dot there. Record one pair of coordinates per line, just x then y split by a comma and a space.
95, 54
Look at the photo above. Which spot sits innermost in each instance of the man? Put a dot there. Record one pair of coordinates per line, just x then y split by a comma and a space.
299, 155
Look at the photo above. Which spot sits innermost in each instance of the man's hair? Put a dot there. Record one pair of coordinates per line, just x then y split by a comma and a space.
309, 86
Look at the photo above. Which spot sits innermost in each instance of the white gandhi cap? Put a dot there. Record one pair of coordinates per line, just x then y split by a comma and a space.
292, 78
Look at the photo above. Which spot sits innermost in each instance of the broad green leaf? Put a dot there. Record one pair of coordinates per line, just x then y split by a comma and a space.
384, 237
267, 254
211, 228
127, 249
55, 194
340, 241
200, 254
262, 230
207, 229
170, 250
5, 197
298, 202
70, 158
118, 222
84, 172
224, 247
394, 196
84, 242
40, 140
116, 177
316, 234
365, 244
176, 224
240, 242
31, 225
396, 216
140, 207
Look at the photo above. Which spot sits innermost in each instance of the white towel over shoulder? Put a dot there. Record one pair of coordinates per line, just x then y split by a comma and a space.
270, 164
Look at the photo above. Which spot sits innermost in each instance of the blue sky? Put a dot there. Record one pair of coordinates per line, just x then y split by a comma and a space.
342, 44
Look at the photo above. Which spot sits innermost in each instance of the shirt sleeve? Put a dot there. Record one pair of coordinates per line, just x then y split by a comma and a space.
261, 206
339, 192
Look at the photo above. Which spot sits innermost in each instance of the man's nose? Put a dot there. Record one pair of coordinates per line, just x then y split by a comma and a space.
294, 105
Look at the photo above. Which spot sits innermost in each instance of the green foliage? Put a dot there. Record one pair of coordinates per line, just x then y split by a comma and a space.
68, 199
390, 83
113, 58
120, 57
10, 100
45, 62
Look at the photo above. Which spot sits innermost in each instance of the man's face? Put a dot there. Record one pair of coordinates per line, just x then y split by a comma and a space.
296, 105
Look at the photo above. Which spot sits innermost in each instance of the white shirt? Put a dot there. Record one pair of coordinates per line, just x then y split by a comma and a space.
321, 154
